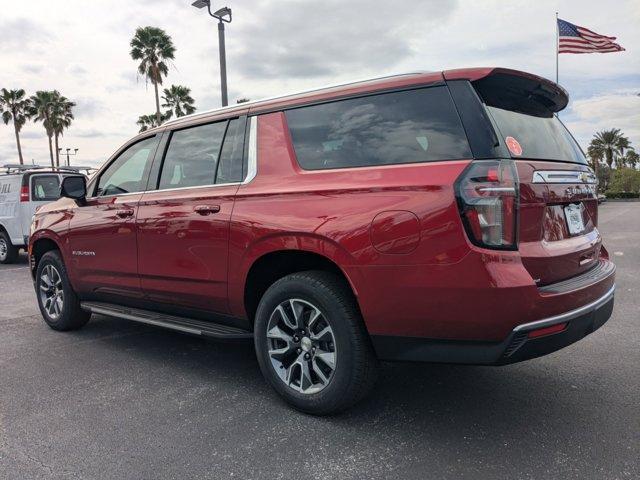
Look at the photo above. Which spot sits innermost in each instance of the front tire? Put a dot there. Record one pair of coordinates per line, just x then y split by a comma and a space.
59, 304
8, 251
312, 345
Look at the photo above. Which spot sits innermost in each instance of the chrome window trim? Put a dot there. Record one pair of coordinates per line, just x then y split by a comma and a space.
144, 192
252, 168
252, 157
212, 185
118, 195
564, 176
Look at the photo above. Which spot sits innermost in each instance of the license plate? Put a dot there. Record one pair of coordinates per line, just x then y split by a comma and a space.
575, 222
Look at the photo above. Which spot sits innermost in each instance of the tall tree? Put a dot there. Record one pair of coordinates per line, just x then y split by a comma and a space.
41, 110
632, 158
145, 122
61, 117
14, 106
178, 100
153, 47
608, 144
596, 156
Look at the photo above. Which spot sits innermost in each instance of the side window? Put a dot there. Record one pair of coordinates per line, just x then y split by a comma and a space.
401, 127
230, 165
192, 156
127, 173
45, 188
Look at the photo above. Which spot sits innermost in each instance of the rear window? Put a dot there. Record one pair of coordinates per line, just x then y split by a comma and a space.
544, 138
401, 127
45, 188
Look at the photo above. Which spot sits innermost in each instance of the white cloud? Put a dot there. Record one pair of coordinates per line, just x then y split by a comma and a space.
82, 49
613, 110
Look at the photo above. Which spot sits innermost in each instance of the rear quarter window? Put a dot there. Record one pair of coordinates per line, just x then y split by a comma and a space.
412, 126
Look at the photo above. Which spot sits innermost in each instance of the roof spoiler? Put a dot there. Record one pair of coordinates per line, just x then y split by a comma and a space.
515, 90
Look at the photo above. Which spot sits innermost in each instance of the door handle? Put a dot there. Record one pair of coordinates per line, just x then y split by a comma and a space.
124, 213
207, 209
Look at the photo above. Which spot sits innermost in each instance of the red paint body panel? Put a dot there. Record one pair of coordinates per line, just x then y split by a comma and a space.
182, 254
103, 235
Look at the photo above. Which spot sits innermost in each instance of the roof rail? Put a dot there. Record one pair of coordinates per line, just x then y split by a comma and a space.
15, 168
290, 94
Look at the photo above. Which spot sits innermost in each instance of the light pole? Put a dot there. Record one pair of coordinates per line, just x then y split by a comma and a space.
68, 154
221, 15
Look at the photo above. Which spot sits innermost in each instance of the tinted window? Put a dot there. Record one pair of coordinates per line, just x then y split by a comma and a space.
230, 166
401, 127
540, 137
192, 156
45, 188
127, 173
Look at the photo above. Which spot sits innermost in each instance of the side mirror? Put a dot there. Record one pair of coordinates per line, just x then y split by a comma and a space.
74, 187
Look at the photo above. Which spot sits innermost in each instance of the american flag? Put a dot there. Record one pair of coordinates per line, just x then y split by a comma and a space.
575, 39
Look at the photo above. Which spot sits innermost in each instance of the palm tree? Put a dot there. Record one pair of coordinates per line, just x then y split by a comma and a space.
177, 99
608, 144
596, 155
153, 47
61, 118
624, 143
14, 106
632, 158
150, 121
41, 110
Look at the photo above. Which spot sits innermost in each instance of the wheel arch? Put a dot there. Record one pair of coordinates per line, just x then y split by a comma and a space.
39, 247
273, 265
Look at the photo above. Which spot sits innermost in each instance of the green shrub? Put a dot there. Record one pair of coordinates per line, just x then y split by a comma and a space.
625, 180
614, 194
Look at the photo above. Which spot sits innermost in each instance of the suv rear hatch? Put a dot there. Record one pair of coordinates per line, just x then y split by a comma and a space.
557, 234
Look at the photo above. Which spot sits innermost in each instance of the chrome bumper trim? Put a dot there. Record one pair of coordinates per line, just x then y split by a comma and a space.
565, 317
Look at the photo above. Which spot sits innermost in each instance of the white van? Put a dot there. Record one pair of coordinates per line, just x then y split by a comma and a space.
23, 188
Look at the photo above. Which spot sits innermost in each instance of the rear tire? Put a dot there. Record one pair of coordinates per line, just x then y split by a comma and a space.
8, 251
59, 304
312, 345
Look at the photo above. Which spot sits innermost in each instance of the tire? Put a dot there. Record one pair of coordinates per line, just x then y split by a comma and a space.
8, 251
283, 351
52, 282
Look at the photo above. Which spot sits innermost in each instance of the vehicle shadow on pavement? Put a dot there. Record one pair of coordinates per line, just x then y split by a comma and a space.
445, 400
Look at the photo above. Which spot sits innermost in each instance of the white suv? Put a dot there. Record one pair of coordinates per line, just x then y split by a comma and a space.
23, 188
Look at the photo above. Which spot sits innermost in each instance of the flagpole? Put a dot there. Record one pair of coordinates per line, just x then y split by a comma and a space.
557, 45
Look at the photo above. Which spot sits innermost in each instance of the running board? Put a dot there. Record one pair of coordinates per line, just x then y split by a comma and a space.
181, 324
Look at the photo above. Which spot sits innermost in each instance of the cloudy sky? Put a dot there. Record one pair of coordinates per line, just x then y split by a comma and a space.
81, 48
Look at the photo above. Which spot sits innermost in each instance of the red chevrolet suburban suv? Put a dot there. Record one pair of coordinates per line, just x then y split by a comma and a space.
438, 217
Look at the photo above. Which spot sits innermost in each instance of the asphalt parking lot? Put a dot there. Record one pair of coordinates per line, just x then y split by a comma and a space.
122, 400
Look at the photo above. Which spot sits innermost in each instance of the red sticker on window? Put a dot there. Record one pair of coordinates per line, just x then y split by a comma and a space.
513, 145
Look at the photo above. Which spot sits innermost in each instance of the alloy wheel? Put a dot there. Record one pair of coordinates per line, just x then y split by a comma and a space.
302, 346
4, 249
51, 291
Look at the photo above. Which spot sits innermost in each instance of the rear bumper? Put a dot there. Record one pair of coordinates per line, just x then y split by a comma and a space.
518, 345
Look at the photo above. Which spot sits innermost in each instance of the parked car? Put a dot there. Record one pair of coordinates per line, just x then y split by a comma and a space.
23, 188
438, 217
602, 198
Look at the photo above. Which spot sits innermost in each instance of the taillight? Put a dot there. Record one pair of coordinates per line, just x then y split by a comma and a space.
487, 193
24, 193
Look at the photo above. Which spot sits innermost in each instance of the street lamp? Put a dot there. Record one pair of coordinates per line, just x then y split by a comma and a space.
68, 154
223, 16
